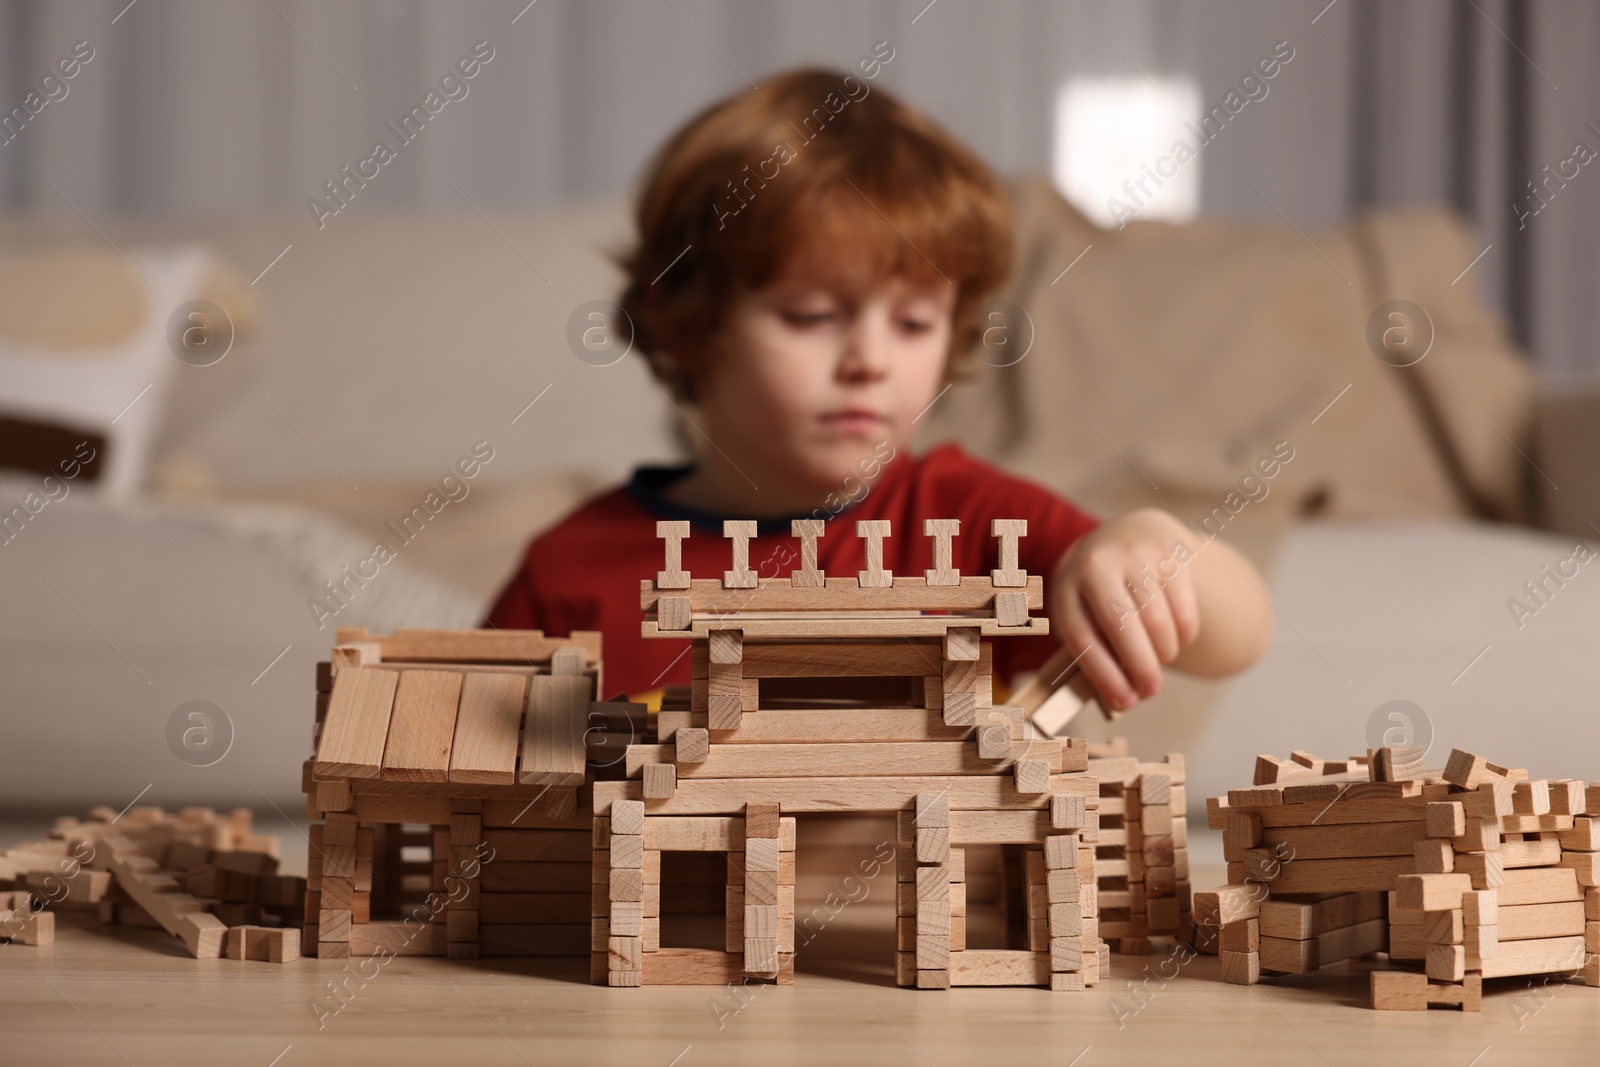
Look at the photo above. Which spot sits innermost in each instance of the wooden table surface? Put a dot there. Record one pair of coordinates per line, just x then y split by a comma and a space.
119, 995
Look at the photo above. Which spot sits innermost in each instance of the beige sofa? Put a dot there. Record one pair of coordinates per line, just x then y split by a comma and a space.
376, 352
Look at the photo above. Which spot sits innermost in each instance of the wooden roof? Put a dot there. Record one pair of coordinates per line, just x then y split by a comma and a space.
455, 723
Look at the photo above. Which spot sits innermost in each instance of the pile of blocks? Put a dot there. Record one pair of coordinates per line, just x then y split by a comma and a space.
1472, 872
1142, 854
195, 874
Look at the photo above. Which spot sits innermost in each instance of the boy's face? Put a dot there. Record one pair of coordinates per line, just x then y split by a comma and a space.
804, 381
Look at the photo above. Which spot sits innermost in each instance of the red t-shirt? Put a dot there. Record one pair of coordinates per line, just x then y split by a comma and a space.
583, 573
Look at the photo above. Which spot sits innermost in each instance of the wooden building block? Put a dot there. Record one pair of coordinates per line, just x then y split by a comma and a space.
1530, 798
1480, 907
333, 795
487, 731
357, 727
1434, 856
1486, 869
739, 532
674, 612
1444, 927
1446, 819
1243, 936
1399, 991
872, 532
1067, 811
725, 647
422, 726
1447, 963
1583, 837
1008, 574
1431, 892
1011, 608
933, 810
283, 946
761, 820
1467, 771
1032, 776
808, 576
627, 817
933, 844
941, 531
553, 751
672, 532
1585, 865
761, 854
660, 781
1241, 968
627, 850
693, 745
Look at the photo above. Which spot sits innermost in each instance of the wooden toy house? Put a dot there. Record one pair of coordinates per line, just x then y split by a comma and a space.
868, 694
449, 780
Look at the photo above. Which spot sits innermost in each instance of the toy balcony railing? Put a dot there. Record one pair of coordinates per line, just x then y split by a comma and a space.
872, 603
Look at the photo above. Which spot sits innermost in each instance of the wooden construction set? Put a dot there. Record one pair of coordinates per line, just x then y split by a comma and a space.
1474, 872
475, 797
208, 879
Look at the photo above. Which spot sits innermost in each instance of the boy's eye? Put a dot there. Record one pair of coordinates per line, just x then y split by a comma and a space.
807, 318
915, 325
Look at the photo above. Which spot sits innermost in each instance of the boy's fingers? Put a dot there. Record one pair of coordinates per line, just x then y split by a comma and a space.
1095, 658
1112, 607
1185, 608
1163, 630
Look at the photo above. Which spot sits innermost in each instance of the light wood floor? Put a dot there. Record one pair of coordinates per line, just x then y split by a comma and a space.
119, 995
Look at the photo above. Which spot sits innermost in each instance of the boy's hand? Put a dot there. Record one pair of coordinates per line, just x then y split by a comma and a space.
1124, 602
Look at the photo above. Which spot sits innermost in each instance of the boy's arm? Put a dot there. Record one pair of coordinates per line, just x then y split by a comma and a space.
1141, 591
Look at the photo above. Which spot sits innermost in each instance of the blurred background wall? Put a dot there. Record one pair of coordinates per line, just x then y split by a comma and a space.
227, 105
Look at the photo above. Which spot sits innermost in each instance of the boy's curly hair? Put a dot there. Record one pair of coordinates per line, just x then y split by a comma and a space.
816, 171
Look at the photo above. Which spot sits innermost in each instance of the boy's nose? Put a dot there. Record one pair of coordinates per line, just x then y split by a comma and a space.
866, 352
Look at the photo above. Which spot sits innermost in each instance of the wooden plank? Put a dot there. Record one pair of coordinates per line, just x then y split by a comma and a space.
1542, 956
844, 594
553, 728
855, 625
480, 646
727, 796
1530, 921
398, 939
843, 660
422, 727
1538, 885
357, 727
839, 725
1328, 876
830, 761
1294, 956
1299, 921
488, 727
999, 967
692, 966
1347, 841
1346, 810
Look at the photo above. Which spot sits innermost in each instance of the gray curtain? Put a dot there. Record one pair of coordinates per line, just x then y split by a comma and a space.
241, 105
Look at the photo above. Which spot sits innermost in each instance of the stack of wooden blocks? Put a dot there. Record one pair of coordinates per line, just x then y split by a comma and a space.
1142, 859
195, 874
870, 693
1473, 872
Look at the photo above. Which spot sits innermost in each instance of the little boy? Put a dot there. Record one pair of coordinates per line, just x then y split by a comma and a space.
810, 262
